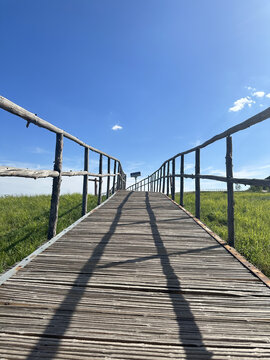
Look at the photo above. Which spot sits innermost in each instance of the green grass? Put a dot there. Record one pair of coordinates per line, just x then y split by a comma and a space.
24, 223
252, 223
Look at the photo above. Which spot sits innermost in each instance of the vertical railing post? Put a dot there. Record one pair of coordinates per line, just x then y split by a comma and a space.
155, 182
163, 182
121, 178
168, 178
118, 177
95, 186
182, 181
56, 186
160, 179
173, 179
114, 178
100, 179
109, 178
197, 184
230, 195
85, 182
148, 183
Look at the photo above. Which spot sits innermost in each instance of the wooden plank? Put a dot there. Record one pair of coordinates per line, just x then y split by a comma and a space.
137, 279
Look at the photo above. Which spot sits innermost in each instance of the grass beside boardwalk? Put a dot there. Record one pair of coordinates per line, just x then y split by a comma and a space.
24, 223
252, 222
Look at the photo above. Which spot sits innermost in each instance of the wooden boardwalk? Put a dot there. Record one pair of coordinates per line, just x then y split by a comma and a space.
137, 279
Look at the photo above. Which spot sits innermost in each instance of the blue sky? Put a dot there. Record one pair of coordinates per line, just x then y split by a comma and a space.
171, 73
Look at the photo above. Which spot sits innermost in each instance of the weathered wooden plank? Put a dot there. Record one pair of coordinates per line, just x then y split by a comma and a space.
137, 279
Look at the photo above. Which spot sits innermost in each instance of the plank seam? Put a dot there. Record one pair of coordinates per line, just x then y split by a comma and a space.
4, 277
252, 268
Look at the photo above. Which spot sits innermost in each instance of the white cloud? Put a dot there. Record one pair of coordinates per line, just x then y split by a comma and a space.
38, 150
117, 127
197, 142
268, 95
259, 94
250, 88
189, 166
240, 103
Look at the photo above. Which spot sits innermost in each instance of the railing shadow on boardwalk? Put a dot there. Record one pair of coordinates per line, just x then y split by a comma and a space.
183, 314
57, 328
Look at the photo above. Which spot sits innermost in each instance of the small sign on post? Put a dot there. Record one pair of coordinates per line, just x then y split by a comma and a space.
135, 175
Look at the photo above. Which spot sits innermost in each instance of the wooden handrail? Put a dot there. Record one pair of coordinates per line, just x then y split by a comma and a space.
166, 177
119, 177
34, 119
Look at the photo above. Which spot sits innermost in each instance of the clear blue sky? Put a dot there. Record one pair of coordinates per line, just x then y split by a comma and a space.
167, 71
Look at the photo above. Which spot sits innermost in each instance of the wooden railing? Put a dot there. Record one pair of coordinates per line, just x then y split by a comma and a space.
163, 179
119, 177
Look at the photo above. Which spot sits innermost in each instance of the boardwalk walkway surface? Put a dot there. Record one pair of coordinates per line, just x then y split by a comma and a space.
137, 279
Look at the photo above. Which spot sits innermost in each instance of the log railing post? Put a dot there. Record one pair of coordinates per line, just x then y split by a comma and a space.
197, 184
163, 180
85, 182
114, 178
118, 177
182, 181
168, 178
230, 195
56, 186
109, 178
100, 180
96, 187
173, 179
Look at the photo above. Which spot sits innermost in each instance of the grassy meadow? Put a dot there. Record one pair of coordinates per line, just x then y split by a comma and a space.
24, 223
252, 223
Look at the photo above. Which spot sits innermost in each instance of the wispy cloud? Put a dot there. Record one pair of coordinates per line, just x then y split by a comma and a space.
134, 165
38, 150
240, 103
250, 99
250, 88
189, 167
259, 94
117, 127
196, 143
